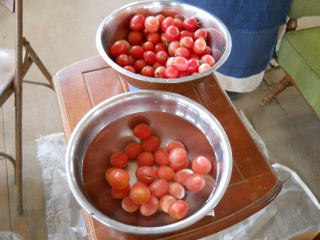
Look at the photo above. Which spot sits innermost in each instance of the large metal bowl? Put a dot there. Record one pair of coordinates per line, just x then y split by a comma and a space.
107, 128
116, 26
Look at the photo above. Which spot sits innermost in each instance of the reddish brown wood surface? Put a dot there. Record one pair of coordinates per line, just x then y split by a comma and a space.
253, 184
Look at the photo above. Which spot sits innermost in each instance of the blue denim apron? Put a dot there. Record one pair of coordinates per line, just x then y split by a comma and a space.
253, 25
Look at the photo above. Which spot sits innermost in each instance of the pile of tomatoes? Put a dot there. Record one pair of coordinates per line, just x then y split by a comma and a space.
165, 47
163, 176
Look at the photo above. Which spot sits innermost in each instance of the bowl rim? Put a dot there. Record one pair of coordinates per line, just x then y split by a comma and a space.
94, 212
121, 70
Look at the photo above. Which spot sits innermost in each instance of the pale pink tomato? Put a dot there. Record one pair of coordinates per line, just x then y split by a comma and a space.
203, 67
159, 188
176, 190
140, 194
180, 63
150, 144
145, 159
195, 182
142, 130
133, 149
161, 157
201, 165
174, 144
128, 205
152, 24
180, 167
208, 59
121, 193
146, 174
165, 202
150, 207
165, 172
119, 159
178, 156
182, 175
178, 209
118, 178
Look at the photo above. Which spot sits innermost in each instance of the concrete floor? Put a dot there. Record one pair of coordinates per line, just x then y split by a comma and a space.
63, 32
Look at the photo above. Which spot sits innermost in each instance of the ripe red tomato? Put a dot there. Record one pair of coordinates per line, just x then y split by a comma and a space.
168, 21
159, 72
208, 59
173, 46
120, 47
137, 22
190, 24
172, 33
148, 46
139, 64
200, 33
180, 63
122, 60
162, 57
148, 71
153, 37
149, 57
135, 37
165, 44
137, 51
171, 72
193, 65
199, 46
182, 52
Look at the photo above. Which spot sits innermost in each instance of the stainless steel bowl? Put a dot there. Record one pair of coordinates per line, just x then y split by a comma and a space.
107, 128
116, 26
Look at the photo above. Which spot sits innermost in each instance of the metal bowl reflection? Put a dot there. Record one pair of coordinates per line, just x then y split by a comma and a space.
107, 128
116, 26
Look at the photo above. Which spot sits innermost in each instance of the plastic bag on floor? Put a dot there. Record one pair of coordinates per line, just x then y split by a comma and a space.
64, 215
295, 210
6, 235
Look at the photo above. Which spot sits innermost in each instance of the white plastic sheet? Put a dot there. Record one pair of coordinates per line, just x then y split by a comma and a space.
293, 211
64, 215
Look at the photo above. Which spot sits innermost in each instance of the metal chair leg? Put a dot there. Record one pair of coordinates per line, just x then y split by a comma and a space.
18, 103
18, 139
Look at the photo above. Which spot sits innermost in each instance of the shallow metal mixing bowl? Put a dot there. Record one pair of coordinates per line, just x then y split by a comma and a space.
116, 26
107, 128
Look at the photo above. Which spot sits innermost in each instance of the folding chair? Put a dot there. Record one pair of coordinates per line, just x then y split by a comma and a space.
14, 64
